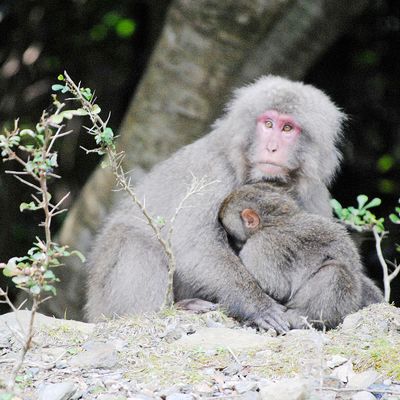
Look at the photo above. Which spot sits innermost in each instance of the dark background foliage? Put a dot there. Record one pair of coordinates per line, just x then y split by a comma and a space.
106, 45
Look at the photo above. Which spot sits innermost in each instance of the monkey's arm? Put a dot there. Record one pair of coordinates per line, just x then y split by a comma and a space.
219, 276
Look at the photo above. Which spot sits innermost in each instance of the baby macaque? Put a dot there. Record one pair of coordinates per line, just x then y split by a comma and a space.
306, 262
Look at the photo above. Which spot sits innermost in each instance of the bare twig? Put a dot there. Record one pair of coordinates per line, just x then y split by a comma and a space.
387, 276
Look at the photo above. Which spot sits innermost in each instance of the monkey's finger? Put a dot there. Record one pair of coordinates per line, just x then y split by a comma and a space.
268, 322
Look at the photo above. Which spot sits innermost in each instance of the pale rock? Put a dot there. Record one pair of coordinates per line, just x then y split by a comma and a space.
363, 396
217, 338
287, 389
41, 321
97, 355
363, 379
336, 361
352, 321
179, 396
245, 386
57, 391
343, 372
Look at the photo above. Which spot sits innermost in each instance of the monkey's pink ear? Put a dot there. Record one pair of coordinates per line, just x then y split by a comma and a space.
250, 217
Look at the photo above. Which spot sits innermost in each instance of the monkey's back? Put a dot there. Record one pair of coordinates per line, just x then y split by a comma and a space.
285, 254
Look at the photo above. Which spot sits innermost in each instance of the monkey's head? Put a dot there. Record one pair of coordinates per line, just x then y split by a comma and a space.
253, 207
288, 129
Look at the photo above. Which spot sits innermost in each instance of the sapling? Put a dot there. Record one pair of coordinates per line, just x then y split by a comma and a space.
33, 150
362, 219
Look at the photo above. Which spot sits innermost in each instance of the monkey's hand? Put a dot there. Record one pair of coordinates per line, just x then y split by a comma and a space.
273, 316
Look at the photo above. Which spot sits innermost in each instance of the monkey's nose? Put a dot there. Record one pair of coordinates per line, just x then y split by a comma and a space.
272, 149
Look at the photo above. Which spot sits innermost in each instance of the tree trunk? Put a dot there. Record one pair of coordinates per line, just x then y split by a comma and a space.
300, 38
202, 50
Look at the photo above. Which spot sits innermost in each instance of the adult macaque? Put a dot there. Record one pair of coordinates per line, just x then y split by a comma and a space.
127, 267
304, 261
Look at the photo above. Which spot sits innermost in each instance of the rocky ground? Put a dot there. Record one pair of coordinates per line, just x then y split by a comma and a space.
181, 356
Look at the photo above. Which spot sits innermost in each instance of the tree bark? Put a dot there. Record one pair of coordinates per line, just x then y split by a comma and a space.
300, 38
206, 47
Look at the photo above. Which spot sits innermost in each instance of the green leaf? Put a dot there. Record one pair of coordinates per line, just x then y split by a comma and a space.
38, 256
125, 27
81, 112
96, 109
20, 279
394, 218
87, 93
56, 119
50, 288
374, 203
385, 163
35, 289
57, 87
29, 206
362, 199
27, 132
335, 205
49, 275
9, 272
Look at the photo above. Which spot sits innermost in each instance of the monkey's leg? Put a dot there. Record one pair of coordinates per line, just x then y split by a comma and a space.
127, 274
371, 294
326, 296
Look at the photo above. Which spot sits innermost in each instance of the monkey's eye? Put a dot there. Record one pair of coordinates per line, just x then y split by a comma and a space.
268, 124
287, 128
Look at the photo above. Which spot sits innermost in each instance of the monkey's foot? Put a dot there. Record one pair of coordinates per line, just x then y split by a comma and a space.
197, 306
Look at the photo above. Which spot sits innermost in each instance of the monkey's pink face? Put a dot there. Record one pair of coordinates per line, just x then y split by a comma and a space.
276, 139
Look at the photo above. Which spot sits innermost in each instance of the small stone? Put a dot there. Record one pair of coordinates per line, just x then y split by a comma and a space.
203, 388
57, 391
33, 371
173, 335
79, 394
232, 369
120, 344
107, 396
363, 396
336, 361
179, 396
352, 321
286, 389
363, 379
61, 365
97, 355
250, 396
211, 323
332, 382
140, 396
343, 372
245, 386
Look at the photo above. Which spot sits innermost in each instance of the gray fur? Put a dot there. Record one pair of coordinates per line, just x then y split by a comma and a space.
127, 269
304, 261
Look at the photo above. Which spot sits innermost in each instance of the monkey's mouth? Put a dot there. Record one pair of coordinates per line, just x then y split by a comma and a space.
269, 168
